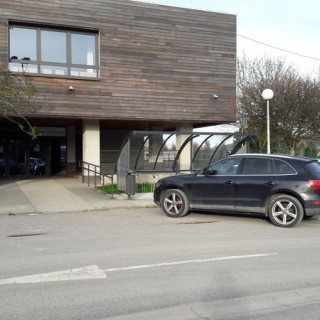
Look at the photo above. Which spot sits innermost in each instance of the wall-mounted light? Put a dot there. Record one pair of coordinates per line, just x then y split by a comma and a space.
214, 96
71, 88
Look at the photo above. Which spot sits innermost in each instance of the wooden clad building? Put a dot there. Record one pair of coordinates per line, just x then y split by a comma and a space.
103, 68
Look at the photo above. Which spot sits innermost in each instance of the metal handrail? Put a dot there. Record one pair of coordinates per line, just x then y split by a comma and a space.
99, 173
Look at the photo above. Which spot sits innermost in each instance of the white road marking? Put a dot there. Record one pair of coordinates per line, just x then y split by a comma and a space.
86, 273
174, 263
94, 272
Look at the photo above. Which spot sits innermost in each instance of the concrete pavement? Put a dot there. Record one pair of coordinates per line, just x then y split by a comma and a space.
62, 194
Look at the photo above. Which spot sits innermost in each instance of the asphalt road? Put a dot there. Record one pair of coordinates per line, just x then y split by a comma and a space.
139, 264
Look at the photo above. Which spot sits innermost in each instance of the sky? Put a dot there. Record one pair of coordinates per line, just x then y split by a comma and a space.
291, 25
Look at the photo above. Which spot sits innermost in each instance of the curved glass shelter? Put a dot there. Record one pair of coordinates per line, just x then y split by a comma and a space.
175, 152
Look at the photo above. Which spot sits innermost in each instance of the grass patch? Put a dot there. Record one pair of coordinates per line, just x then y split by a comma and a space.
140, 188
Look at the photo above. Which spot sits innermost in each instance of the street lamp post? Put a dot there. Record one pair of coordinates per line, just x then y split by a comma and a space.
267, 94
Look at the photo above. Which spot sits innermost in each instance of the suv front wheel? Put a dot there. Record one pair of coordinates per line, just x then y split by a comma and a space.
174, 203
285, 211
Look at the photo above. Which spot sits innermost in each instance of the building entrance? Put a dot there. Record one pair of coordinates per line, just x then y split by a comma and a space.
22, 157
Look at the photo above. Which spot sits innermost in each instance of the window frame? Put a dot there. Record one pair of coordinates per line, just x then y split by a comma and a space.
69, 66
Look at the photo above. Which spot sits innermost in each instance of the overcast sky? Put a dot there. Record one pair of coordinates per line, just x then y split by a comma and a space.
292, 25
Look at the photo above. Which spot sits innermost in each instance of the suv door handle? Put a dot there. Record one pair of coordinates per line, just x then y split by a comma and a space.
270, 183
228, 182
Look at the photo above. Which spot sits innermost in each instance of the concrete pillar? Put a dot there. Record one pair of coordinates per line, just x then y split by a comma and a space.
71, 150
155, 143
185, 156
91, 143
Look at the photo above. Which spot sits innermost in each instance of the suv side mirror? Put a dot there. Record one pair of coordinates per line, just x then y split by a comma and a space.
208, 172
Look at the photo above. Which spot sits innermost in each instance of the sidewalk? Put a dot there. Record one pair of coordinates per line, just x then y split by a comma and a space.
61, 194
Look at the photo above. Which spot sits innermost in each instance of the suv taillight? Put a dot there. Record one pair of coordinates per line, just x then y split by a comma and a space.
314, 184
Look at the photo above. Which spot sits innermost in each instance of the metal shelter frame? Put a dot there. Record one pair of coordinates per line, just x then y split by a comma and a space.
152, 152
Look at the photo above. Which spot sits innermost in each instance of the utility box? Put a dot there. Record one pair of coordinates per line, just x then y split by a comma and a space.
130, 184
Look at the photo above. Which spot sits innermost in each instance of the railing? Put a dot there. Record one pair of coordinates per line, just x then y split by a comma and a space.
96, 173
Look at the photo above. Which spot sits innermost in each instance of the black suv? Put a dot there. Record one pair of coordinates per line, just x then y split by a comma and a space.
283, 188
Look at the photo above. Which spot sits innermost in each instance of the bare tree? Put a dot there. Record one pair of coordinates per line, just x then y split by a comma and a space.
294, 109
17, 100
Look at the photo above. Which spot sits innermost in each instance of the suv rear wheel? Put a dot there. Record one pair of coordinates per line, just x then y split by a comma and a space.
285, 211
174, 203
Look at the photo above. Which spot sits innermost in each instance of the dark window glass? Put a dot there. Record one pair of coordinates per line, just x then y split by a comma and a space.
284, 168
257, 166
314, 168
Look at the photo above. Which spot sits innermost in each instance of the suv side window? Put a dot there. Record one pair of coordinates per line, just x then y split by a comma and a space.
283, 167
225, 167
256, 166
314, 169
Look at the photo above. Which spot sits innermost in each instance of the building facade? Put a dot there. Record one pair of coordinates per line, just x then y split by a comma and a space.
103, 68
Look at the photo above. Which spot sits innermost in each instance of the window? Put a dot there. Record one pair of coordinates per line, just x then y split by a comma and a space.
53, 52
258, 166
225, 167
284, 168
